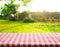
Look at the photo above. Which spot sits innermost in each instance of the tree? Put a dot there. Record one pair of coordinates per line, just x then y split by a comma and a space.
25, 2
9, 9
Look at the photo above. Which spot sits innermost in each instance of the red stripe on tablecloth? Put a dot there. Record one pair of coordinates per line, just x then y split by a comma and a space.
15, 39
56, 37
10, 38
5, 38
27, 37
24, 39
18, 42
43, 39
39, 39
3, 35
34, 39
49, 39
53, 38
29, 40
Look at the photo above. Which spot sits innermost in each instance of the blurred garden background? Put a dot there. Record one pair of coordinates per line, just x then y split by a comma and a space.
17, 17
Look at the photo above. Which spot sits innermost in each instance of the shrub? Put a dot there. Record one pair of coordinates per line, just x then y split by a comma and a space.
13, 19
28, 20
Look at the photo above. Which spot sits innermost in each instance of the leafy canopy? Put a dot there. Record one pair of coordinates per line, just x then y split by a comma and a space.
11, 8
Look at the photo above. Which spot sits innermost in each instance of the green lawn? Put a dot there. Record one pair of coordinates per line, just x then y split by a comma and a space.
20, 27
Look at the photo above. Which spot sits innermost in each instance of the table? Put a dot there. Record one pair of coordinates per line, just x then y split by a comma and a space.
29, 39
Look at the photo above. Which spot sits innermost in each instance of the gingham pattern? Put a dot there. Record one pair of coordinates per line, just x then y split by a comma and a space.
29, 40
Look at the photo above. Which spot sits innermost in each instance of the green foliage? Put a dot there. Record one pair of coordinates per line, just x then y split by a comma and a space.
25, 13
0, 0
9, 9
12, 19
28, 20
25, 2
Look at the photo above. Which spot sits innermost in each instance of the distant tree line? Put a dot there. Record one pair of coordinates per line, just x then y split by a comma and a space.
46, 16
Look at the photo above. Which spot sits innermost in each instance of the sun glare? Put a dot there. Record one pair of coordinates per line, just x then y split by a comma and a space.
44, 5
38, 5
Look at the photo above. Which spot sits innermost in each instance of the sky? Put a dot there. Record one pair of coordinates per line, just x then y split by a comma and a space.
44, 5
40, 5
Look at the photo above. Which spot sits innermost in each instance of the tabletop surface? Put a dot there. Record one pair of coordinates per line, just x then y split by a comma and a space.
30, 38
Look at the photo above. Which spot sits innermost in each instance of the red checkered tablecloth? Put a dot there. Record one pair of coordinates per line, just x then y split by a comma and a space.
29, 40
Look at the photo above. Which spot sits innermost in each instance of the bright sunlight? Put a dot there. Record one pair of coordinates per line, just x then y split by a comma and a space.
39, 5
44, 5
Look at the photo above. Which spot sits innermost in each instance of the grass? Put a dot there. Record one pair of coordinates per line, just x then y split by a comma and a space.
20, 27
